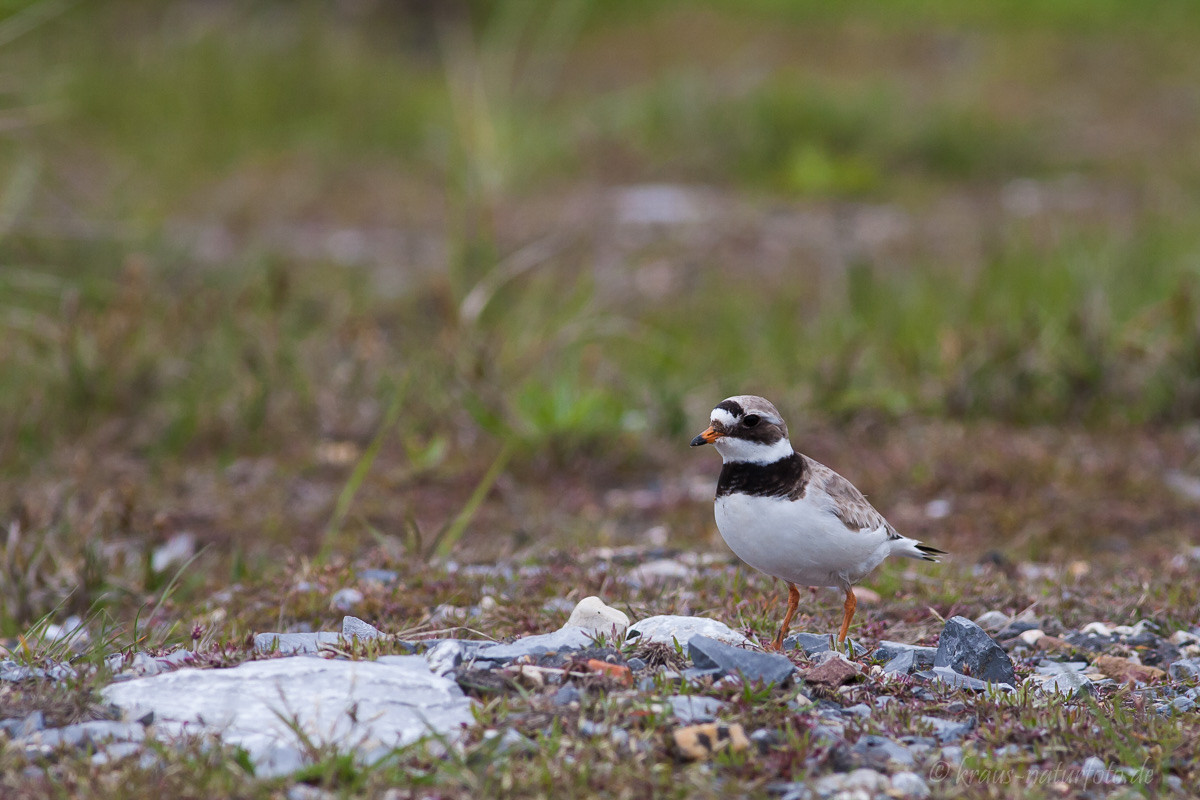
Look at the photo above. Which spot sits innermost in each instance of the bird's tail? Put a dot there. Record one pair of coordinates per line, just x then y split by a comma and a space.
911, 548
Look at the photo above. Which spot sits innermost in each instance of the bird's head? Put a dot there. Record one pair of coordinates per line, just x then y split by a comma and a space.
747, 428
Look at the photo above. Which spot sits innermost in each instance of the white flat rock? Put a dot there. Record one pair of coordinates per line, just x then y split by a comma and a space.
669, 628
366, 707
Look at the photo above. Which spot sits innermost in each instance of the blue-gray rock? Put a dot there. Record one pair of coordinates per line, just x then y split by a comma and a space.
443, 655
825, 734
353, 626
1047, 667
857, 710
903, 664
562, 640
13, 672
508, 742
955, 680
813, 643
1185, 669
951, 754
360, 707
566, 695
765, 738
18, 727
1095, 771
1068, 684
295, 643
910, 785
794, 790
589, 728
636, 664
1183, 704
967, 649
947, 731
878, 752
695, 676
1015, 629
922, 656
346, 599
753, 666
384, 576
992, 620
81, 734
689, 709
118, 751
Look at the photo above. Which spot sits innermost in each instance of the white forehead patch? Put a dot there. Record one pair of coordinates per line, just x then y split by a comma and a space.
724, 417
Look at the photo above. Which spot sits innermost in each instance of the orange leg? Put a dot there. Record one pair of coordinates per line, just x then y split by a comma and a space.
851, 604
793, 604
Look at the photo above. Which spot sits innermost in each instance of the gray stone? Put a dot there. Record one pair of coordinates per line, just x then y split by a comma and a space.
566, 695
303, 791
957, 681
176, 550
1046, 667
1183, 704
947, 731
13, 672
967, 649
589, 728
18, 727
1185, 669
117, 751
562, 640
508, 742
951, 754
1096, 771
346, 599
295, 643
383, 576
878, 752
690, 709
660, 571
794, 790
709, 653
1068, 684
355, 627
813, 643
765, 738
636, 664
992, 620
177, 658
81, 734
668, 629
695, 676
909, 785
443, 655
867, 781
857, 710
362, 707
145, 664
902, 664
922, 656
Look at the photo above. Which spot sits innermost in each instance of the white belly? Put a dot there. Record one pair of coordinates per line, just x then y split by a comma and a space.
798, 540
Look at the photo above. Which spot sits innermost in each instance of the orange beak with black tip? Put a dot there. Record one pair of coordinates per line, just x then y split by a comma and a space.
709, 436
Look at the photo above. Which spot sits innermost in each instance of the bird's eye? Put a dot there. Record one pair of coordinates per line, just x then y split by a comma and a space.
750, 420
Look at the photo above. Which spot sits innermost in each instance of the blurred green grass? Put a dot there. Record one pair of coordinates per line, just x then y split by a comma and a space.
152, 109
171, 176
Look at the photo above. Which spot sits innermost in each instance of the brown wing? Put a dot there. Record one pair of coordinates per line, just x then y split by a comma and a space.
848, 502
